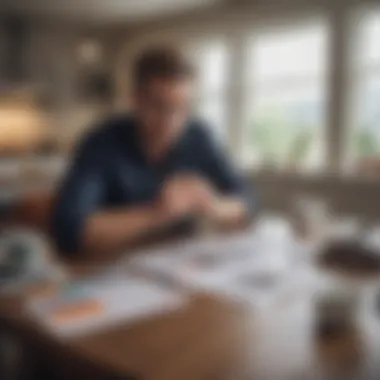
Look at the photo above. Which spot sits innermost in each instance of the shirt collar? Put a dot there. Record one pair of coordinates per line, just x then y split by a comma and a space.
173, 150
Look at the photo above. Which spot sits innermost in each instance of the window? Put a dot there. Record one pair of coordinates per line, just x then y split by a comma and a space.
365, 139
211, 63
286, 98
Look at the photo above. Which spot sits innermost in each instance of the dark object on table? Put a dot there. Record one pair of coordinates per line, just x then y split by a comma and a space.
350, 256
336, 313
331, 329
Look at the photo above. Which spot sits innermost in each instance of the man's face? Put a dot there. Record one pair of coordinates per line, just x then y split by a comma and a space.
162, 106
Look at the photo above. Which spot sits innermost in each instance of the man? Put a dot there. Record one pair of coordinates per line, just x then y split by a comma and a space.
147, 170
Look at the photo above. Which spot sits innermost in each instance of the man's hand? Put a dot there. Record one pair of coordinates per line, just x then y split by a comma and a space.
180, 196
186, 194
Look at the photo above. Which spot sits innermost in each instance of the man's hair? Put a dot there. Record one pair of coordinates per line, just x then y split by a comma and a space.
161, 62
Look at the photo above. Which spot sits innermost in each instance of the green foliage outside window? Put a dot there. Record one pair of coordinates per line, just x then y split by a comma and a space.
278, 141
365, 143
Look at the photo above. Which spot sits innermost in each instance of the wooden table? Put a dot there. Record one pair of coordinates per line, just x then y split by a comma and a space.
209, 338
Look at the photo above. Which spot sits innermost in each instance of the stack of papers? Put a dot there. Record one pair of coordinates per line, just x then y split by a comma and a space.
242, 267
198, 261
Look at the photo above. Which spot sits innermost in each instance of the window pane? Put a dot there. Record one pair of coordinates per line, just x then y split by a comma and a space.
294, 53
212, 110
371, 39
286, 99
211, 63
210, 59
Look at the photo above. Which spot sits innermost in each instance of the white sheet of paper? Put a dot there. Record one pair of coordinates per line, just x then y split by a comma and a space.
204, 256
123, 299
263, 287
219, 265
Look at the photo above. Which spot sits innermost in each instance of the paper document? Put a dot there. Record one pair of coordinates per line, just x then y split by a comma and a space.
253, 267
209, 255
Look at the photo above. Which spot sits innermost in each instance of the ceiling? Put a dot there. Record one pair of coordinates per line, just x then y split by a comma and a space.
102, 11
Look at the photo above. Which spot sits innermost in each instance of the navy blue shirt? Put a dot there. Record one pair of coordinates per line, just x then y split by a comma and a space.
109, 170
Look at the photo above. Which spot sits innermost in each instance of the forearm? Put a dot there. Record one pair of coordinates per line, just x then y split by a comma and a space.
110, 230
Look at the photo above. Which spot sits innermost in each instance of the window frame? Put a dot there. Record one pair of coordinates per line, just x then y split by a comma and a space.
342, 82
361, 72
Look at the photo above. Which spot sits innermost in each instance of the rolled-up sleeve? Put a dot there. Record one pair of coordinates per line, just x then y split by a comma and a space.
80, 193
